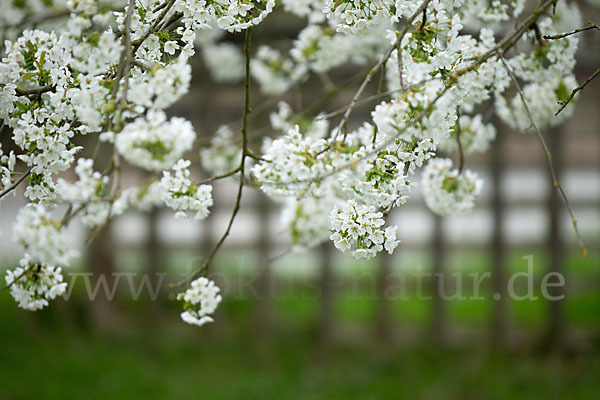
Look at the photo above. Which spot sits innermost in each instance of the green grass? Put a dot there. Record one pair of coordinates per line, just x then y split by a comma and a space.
59, 353
41, 359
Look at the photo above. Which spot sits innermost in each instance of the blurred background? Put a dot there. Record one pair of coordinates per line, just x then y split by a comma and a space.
317, 324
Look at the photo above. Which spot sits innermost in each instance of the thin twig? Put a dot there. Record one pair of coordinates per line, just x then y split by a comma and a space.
508, 42
382, 146
123, 74
501, 47
244, 131
34, 90
16, 184
141, 65
280, 255
126, 49
555, 181
400, 62
341, 126
22, 274
35, 19
219, 177
309, 111
538, 34
564, 103
317, 106
70, 213
152, 28
170, 22
564, 35
374, 97
381, 80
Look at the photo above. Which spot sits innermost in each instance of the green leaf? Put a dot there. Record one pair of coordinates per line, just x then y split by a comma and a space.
562, 93
21, 106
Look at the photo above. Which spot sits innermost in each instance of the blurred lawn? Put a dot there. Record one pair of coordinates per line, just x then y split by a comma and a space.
59, 354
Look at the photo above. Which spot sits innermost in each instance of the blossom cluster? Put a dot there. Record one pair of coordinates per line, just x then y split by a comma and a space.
541, 99
225, 62
153, 143
359, 229
473, 135
42, 236
179, 193
76, 67
353, 15
223, 155
306, 219
87, 194
200, 301
274, 72
32, 285
312, 10
285, 119
448, 191
231, 15
291, 164
39, 277
144, 198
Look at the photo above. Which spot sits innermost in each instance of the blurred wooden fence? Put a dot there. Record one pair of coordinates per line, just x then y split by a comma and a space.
264, 241
513, 153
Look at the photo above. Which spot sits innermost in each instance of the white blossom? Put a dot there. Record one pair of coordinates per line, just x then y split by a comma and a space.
354, 15
179, 193
225, 62
359, 229
201, 300
543, 101
284, 119
87, 194
42, 237
274, 73
72, 75
446, 191
32, 285
306, 220
224, 153
475, 136
320, 49
153, 143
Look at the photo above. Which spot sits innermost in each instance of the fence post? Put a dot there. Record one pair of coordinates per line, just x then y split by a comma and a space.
498, 253
555, 328
325, 318
102, 266
383, 323
264, 282
154, 252
438, 317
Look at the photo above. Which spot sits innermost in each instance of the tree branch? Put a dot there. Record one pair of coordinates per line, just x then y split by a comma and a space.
22, 274
35, 90
35, 19
501, 47
373, 71
157, 21
16, 184
242, 166
555, 181
564, 35
219, 177
564, 103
